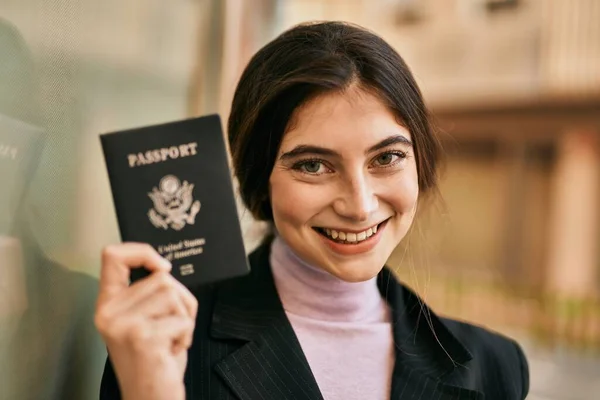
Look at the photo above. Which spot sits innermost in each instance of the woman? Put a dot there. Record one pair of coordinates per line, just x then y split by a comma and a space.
332, 145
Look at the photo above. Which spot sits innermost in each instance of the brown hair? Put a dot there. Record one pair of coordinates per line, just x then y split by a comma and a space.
308, 60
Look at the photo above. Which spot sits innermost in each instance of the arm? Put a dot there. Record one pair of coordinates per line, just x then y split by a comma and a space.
147, 326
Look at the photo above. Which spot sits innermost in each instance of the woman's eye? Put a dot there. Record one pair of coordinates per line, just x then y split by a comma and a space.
387, 159
312, 167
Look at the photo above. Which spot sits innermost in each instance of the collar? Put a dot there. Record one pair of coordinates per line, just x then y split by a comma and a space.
249, 309
309, 291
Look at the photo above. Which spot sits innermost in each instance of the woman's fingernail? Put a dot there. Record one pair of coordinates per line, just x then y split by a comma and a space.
166, 264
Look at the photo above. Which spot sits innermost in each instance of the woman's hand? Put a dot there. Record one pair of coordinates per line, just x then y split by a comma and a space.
148, 326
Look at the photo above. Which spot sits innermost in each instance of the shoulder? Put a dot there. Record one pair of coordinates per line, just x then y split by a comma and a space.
460, 353
477, 337
497, 359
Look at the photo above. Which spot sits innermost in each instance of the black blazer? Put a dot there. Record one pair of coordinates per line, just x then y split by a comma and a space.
245, 348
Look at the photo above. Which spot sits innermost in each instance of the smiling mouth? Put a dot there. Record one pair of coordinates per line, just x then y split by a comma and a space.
350, 238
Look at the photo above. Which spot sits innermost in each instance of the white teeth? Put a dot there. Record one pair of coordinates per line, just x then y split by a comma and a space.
349, 236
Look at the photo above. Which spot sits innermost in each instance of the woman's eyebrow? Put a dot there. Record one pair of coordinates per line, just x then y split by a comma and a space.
394, 139
307, 149
304, 149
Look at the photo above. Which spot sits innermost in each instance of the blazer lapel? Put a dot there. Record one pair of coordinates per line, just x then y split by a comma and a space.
427, 353
271, 363
411, 384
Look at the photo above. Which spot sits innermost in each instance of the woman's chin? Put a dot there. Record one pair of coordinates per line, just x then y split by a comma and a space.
354, 271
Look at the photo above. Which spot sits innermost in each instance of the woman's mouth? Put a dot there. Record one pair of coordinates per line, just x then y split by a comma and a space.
349, 243
351, 237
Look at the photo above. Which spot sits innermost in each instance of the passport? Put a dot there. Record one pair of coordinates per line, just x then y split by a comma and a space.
21, 146
172, 188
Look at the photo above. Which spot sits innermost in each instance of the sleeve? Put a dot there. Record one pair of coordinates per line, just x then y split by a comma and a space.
524, 367
109, 386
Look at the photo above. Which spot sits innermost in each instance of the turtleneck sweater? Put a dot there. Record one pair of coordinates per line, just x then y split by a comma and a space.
344, 328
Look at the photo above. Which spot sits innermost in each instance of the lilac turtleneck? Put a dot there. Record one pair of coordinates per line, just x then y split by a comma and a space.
344, 328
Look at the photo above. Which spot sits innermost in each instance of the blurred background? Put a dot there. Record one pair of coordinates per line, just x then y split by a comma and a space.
514, 86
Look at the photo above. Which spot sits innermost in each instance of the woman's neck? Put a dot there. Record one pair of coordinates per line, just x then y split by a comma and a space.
311, 292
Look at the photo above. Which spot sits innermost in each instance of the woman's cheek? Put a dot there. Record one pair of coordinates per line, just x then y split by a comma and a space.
297, 200
401, 192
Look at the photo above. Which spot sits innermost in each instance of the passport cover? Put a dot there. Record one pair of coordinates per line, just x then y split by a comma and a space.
172, 188
21, 146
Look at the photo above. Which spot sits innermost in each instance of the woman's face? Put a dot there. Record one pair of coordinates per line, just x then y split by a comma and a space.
344, 187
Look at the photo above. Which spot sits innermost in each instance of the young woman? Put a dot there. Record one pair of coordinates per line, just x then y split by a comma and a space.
331, 144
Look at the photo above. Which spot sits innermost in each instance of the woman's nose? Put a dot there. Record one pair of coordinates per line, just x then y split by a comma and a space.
357, 201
